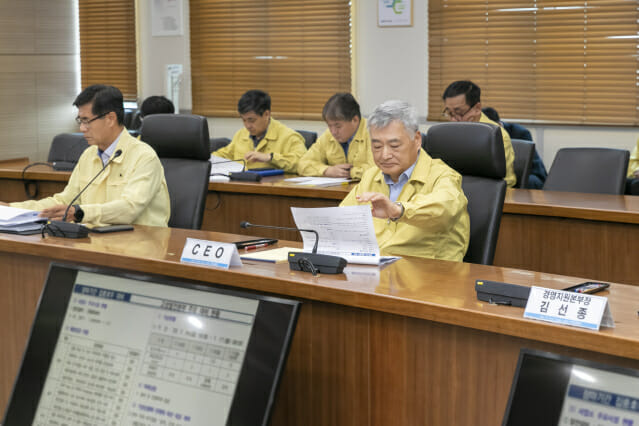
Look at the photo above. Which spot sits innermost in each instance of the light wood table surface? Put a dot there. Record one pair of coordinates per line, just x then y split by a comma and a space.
409, 344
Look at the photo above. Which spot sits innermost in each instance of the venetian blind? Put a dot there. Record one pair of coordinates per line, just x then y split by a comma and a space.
107, 45
562, 61
299, 51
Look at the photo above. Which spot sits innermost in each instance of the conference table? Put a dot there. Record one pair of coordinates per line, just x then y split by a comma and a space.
406, 344
586, 235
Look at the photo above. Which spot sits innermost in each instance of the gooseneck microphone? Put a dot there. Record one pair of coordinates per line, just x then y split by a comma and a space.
246, 224
61, 228
307, 262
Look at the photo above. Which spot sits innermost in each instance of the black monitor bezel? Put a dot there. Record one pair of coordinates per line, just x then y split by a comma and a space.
258, 381
551, 397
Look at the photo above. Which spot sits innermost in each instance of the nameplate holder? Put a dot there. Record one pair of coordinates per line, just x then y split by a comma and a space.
210, 253
568, 308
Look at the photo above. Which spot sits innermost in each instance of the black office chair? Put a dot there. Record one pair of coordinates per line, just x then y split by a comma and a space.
66, 149
309, 137
182, 143
217, 143
590, 170
524, 151
476, 151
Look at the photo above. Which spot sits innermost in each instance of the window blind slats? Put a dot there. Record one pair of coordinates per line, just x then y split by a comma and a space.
298, 51
108, 45
555, 61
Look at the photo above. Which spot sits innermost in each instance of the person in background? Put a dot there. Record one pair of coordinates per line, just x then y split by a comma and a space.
633, 164
131, 190
462, 103
264, 141
344, 149
156, 105
538, 172
417, 203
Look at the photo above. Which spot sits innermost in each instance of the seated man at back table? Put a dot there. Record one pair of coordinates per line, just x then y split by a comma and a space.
131, 189
156, 105
344, 149
264, 141
633, 163
462, 103
538, 172
417, 203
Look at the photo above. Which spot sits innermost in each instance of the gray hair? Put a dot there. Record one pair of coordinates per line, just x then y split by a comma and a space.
390, 111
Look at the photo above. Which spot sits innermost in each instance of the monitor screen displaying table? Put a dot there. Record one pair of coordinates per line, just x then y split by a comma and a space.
111, 348
549, 389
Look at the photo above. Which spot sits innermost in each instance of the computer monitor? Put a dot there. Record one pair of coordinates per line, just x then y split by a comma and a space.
110, 347
550, 389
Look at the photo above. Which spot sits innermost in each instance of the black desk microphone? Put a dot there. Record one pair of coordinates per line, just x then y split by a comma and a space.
62, 228
308, 262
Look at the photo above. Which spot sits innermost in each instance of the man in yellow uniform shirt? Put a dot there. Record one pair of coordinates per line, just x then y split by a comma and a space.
344, 149
264, 141
463, 103
418, 206
131, 190
633, 164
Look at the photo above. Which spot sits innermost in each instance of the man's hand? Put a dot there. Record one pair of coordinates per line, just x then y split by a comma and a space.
381, 206
636, 173
57, 212
3, 203
257, 156
339, 171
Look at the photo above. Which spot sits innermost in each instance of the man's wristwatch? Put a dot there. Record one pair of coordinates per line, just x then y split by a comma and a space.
79, 213
271, 157
401, 206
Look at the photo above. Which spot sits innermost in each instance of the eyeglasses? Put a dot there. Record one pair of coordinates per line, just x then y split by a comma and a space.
447, 114
87, 121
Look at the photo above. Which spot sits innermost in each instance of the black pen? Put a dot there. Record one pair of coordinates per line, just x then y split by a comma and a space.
251, 243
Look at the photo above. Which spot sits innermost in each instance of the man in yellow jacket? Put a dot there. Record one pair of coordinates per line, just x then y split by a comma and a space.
463, 103
344, 149
417, 203
264, 141
130, 190
633, 164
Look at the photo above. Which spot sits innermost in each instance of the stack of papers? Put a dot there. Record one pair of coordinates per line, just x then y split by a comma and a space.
19, 221
221, 167
318, 181
347, 232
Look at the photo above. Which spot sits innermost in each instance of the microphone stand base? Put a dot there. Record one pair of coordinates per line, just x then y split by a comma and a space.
58, 228
314, 263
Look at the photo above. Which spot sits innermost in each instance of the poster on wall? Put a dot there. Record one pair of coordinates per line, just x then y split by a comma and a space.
166, 18
395, 13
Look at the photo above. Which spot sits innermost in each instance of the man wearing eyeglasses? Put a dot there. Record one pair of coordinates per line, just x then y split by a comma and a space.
462, 103
131, 189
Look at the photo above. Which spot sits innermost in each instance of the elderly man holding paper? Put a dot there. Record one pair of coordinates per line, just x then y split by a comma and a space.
417, 203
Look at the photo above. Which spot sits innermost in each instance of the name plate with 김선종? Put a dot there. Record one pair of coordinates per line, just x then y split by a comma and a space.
210, 253
568, 308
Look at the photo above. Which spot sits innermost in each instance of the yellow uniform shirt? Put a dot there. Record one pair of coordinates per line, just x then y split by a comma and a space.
511, 178
435, 223
131, 190
327, 151
633, 164
286, 145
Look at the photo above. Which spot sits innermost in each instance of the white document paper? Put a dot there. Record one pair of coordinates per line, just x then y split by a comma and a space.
15, 216
343, 231
223, 166
318, 181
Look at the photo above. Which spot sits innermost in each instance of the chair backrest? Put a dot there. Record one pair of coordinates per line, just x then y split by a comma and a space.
128, 117
524, 151
182, 143
309, 137
66, 149
591, 170
476, 151
217, 143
